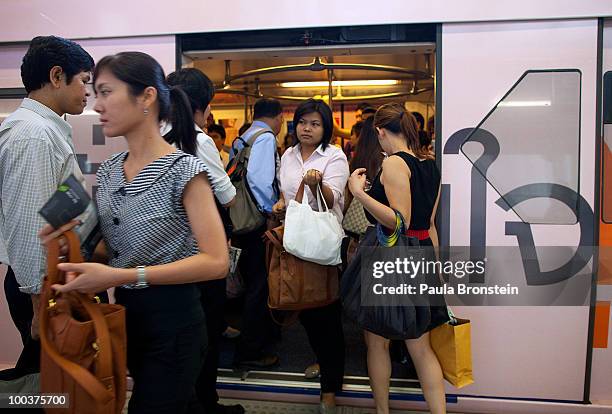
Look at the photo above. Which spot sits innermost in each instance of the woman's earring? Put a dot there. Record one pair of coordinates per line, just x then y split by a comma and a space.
146, 112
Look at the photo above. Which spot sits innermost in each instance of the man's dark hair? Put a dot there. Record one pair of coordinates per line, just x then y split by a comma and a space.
362, 106
44, 53
310, 106
368, 110
198, 87
267, 108
219, 129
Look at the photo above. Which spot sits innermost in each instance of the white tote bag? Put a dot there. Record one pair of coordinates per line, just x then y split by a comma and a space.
315, 236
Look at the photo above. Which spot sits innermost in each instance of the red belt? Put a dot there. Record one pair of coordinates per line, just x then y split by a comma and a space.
419, 234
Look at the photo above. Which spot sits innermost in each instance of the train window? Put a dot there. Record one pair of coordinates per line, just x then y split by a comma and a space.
606, 182
530, 143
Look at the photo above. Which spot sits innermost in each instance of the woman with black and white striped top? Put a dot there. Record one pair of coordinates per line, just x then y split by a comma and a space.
161, 230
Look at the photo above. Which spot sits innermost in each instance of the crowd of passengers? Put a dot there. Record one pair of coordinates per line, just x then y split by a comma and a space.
162, 212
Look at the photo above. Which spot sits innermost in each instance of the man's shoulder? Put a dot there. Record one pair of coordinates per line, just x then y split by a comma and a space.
26, 136
258, 127
16, 128
264, 135
204, 139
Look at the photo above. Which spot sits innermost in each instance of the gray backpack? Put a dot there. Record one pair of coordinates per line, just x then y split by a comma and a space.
245, 214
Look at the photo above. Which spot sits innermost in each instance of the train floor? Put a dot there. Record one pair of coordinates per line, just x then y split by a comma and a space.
295, 353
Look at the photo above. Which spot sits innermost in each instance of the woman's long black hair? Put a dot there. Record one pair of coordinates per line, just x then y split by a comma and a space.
141, 71
368, 152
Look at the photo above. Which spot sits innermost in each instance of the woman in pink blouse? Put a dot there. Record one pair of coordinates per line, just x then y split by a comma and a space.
316, 162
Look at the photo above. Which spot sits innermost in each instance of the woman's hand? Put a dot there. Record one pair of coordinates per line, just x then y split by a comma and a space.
279, 208
312, 178
92, 277
357, 182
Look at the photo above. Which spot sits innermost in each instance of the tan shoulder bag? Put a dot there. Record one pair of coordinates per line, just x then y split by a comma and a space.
83, 343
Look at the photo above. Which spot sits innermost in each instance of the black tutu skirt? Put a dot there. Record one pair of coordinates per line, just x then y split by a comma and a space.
395, 317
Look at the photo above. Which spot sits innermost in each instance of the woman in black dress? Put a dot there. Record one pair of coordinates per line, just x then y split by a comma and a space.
408, 182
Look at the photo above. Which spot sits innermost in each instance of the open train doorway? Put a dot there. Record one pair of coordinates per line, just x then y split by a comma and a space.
352, 69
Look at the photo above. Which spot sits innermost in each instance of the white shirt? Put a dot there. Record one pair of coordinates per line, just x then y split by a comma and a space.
224, 158
331, 163
207, 152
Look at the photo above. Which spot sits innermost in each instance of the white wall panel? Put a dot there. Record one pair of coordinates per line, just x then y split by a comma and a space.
21, 20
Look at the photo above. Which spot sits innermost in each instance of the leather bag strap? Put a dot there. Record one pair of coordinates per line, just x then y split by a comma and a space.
104, 366
300, 192
99, 385
274, 238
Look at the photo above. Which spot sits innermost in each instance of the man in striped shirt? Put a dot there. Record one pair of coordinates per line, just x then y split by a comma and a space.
36, 155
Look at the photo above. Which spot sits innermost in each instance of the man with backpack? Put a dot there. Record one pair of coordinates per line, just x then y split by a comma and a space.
253, 168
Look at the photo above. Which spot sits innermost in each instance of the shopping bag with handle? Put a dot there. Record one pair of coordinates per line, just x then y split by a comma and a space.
452, 343
315, 236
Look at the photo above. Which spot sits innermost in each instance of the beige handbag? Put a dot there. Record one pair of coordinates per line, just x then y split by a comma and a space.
355, 220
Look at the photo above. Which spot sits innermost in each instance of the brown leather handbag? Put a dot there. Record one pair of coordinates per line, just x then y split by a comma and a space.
83, 343
296, 284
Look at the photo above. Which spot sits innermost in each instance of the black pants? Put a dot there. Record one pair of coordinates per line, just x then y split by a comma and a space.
324, 329
213, 301
164, 360
257, 326
20, 308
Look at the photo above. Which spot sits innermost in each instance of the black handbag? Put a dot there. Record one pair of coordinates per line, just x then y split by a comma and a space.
396, 318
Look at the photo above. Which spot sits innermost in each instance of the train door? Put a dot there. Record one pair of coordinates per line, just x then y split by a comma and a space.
519, 169
601, 389
347, 67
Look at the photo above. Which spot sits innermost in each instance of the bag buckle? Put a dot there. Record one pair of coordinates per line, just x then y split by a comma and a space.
96, 348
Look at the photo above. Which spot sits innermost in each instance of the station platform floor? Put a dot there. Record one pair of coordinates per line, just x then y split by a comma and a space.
274, 407
267, 407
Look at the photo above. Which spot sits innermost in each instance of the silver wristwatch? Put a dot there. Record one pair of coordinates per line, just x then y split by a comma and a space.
141, 278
